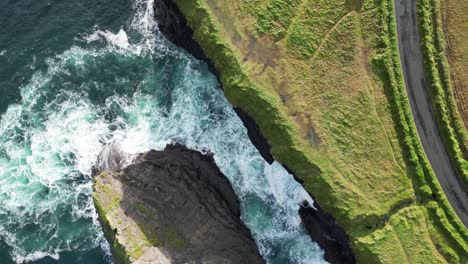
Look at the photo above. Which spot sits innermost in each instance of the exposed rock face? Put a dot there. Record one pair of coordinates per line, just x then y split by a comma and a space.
330, 237
173, 206
173, 25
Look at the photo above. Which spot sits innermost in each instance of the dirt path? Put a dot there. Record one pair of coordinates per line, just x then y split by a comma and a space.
416, 85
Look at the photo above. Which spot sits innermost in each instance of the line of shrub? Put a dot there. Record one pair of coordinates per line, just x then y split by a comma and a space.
441, 89
426, 185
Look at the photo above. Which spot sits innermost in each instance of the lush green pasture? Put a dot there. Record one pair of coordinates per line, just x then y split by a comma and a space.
323, 81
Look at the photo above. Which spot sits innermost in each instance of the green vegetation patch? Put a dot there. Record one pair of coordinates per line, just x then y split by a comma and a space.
405, 238
315, 21
276, 17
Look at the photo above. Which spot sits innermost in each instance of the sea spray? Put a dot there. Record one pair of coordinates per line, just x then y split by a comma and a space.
137, 91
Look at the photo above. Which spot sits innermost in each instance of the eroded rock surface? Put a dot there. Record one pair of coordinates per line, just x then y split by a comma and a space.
173, 206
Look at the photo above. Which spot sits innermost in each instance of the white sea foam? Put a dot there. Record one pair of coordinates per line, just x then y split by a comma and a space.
118, 40
37, 255
49, 143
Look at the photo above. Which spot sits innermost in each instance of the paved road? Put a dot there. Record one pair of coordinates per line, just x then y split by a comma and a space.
416, 85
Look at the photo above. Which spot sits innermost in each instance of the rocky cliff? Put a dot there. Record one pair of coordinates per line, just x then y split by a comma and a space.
320, 225
172, 206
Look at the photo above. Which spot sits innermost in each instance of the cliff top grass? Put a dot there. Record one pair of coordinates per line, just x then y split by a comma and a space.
310, 73
311, 59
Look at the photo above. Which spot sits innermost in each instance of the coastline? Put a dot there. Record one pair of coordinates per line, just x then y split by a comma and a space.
320, 225
377, 217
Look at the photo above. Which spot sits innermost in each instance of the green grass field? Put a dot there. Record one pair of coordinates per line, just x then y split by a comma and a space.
323, 83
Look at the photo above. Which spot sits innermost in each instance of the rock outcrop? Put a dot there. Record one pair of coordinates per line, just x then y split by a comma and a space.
172, 206
326, 232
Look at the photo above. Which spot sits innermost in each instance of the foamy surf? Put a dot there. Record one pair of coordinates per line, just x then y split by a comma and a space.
118, 40
116, 95
37, 255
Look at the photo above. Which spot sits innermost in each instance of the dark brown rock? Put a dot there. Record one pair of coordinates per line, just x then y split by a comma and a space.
326, 232
184, 206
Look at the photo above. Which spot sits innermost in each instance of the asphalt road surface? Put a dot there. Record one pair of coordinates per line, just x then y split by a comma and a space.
417, 88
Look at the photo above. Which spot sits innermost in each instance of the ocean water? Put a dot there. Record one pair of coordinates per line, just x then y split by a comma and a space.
78, 75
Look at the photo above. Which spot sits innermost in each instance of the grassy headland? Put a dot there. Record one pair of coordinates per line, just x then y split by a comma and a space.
323, 81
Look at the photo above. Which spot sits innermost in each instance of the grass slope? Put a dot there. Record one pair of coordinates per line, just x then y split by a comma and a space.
323, 81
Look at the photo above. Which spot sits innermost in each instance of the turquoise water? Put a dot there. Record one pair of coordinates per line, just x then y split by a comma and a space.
77, 76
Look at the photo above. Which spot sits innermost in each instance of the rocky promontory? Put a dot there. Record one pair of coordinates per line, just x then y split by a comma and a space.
172, 206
